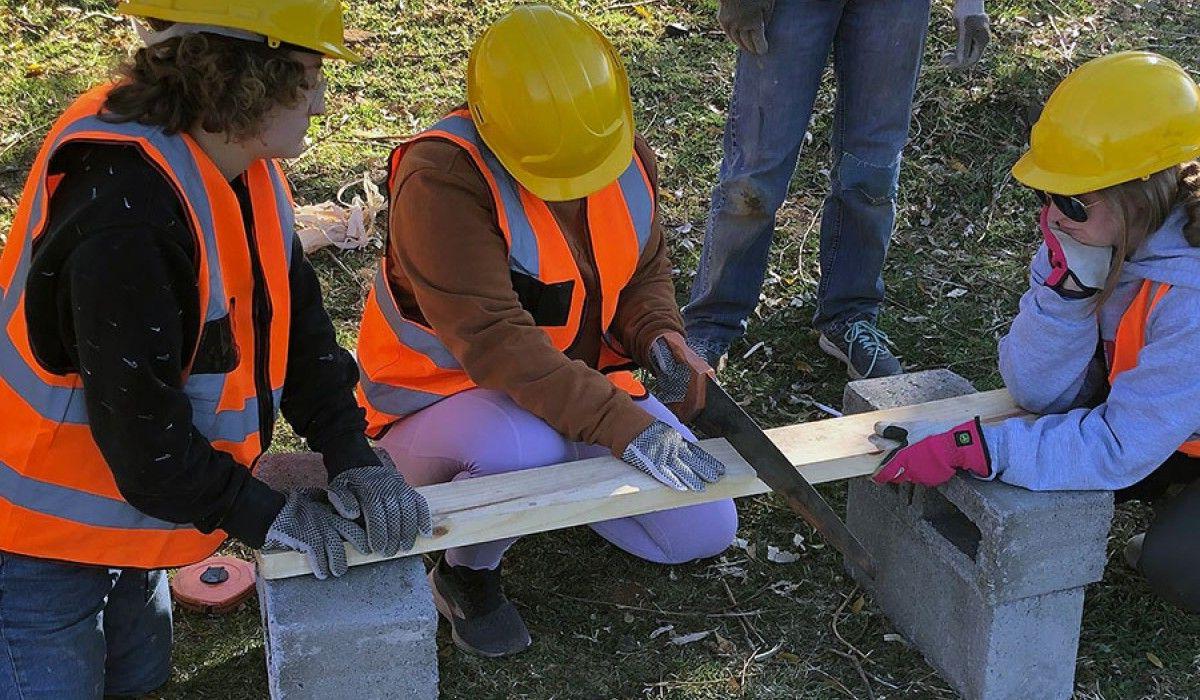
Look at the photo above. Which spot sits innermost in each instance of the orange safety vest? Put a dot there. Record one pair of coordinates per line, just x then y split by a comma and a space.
404, 367
58, 497
1131, 338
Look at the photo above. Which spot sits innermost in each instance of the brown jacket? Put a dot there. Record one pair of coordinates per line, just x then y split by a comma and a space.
450, 270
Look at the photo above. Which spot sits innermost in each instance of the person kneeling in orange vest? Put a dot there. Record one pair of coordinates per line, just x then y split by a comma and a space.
1106, 340
525, 276
158, 312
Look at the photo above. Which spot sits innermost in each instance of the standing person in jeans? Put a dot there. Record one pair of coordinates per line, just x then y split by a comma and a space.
877, 46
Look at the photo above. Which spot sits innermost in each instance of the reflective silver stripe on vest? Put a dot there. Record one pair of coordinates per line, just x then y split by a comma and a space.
639, 200
396, 400
77, 506
283, 206
409, 333
66, 405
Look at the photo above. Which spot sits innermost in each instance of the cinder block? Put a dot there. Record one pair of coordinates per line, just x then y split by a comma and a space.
986, 580
371, 633
865, 395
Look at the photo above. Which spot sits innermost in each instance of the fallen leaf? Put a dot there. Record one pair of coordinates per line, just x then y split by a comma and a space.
354, 36
787, 656
893, 637
783, 587
857, 606
661, 630
676, 30
724, 645
689, 638
780, 556
1153, 658
956, 293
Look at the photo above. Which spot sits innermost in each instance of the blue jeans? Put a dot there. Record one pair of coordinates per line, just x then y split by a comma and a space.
74, 631
877, 47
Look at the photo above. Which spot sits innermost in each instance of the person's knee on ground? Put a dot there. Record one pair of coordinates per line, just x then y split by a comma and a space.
1170, 556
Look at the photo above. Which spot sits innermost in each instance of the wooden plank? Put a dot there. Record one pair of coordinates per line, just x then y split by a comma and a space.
576, 493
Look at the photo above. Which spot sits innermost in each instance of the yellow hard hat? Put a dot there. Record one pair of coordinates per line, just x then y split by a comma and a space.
311, 24
1116, 118
550, 98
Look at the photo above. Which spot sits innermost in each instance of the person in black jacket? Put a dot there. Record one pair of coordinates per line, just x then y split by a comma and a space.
165, 293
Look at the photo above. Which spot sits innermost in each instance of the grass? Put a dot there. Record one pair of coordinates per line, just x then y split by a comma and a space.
956, 268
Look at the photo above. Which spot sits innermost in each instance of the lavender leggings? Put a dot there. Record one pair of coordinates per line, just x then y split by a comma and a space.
481, 432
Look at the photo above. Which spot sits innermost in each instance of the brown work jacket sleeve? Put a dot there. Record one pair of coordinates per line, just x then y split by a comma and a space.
451, 259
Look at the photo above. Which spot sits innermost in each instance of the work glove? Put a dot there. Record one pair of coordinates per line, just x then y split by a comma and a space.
745, 23
973, 35
681, 374
309, 526
929, 452
1077, 271
393, 511
663, 453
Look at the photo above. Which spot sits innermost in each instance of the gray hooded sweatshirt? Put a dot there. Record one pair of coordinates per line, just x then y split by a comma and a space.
1050, 366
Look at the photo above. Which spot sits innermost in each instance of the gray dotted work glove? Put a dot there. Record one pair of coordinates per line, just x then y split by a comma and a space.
973, 34
393, 511
663, 453
310, 526
681, 374
745, 23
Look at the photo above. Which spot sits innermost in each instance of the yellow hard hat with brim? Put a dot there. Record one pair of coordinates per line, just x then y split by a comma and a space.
550, 98
311, 24
1116, 118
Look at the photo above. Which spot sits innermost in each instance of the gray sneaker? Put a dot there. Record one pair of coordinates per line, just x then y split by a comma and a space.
863, 348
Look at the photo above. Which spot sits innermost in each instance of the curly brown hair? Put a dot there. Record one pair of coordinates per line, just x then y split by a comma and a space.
221, 84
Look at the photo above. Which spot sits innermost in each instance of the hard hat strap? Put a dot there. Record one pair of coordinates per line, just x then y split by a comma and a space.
150, 37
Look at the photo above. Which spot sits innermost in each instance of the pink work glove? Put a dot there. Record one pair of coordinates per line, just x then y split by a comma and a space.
927, 453
1077, 271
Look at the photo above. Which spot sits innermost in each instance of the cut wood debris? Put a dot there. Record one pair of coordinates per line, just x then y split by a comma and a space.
346, 225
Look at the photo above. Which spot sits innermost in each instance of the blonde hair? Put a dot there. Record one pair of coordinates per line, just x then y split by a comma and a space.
1141, 207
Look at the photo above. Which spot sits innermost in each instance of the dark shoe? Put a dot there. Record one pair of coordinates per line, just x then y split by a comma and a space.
863, 348
482, 620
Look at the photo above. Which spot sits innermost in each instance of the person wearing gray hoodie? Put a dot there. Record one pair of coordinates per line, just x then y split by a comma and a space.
1104, 347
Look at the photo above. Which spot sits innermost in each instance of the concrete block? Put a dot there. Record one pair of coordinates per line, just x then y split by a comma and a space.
371, 633
863, 395
986, 580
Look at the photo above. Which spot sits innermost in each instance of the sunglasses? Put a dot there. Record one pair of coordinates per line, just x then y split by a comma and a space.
1072, 207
